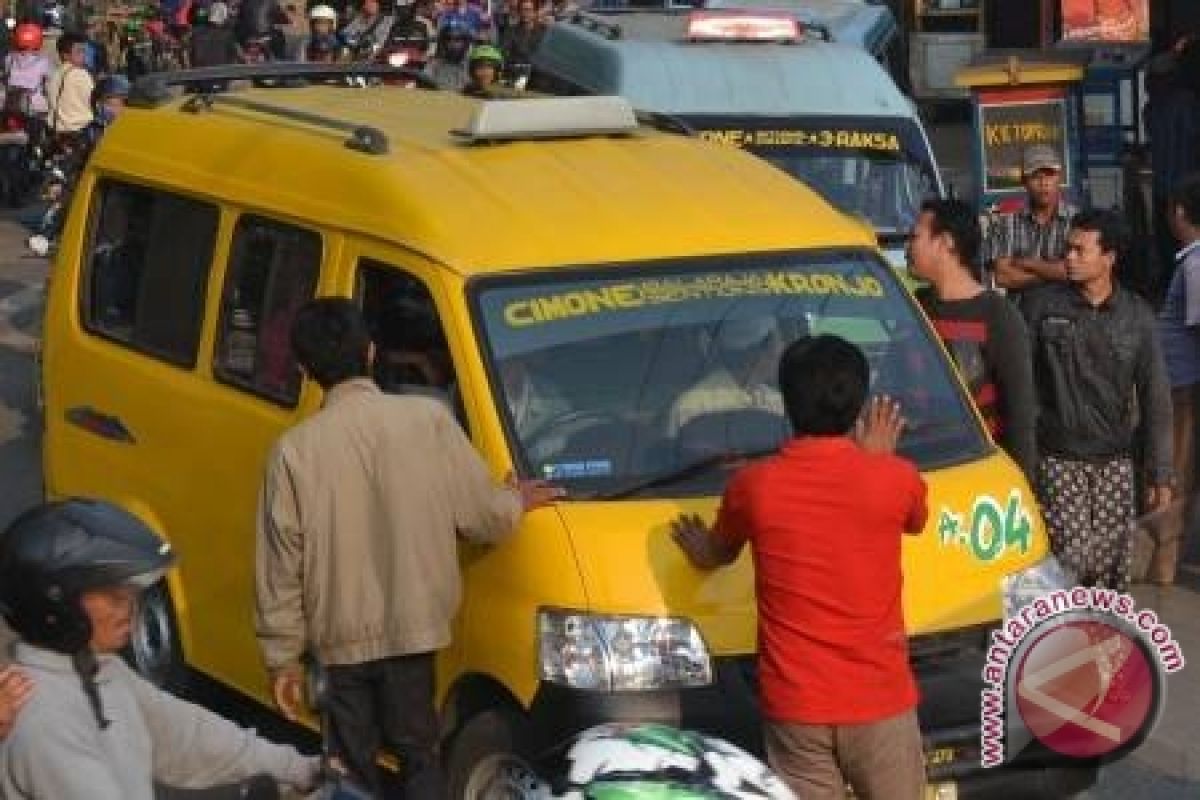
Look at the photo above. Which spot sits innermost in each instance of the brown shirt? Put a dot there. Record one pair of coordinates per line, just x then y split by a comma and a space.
358, 516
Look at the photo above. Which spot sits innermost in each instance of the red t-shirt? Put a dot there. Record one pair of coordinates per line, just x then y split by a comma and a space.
824, 520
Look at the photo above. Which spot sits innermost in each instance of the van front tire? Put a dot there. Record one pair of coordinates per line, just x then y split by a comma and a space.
155, 651
485, 759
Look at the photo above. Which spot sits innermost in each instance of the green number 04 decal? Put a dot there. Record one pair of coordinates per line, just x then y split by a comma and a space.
990, 529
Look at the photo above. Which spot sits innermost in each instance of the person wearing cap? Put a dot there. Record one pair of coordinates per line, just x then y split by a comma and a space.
1104, 406
1026, 248
824, 519
743, 353
71, 573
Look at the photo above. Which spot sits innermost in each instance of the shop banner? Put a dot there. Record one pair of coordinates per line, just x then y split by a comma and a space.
1106, 20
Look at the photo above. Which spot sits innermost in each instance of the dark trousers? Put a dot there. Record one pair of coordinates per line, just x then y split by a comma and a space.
389, 704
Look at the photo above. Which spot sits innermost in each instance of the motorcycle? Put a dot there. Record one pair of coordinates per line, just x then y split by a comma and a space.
517, 75
404, 51
18, 173
257, 50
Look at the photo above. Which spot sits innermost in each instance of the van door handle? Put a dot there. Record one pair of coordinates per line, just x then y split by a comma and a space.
104, 425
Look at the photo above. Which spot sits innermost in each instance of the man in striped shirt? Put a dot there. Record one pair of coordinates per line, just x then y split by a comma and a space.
1027, 248
983, 332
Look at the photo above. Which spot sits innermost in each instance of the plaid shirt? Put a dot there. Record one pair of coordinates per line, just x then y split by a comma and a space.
1020, 235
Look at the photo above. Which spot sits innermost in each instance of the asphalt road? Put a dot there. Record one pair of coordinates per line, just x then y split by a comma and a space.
1167, 767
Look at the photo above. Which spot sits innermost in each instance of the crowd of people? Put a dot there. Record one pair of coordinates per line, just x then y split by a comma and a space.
209, 33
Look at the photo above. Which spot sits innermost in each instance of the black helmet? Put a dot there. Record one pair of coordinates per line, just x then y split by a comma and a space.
53, 553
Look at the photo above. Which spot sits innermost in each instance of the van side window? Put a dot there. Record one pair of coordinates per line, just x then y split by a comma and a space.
273, 270
412, 355
147, 270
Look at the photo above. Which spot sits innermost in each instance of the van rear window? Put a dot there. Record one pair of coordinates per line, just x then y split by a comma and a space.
147, 265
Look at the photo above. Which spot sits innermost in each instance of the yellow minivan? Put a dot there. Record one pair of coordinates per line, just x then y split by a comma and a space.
581, 269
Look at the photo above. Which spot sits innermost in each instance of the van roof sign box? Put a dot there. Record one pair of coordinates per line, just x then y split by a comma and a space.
548, 118
709, 26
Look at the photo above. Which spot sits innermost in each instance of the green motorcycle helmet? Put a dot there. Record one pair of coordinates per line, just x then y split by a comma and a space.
485, 54
646, 761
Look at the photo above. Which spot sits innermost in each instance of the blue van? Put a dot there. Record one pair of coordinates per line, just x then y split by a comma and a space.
826, 113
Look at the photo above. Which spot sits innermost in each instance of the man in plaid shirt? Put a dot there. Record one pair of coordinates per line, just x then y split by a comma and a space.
1027, 248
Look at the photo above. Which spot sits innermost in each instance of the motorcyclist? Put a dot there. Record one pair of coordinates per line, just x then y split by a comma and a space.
108, 101
368, 32
26, 71
454, 42
415, 30
322, 42
69, 90
258, 21
71, 573
463, 13
321, 50
484, 65
211, 43
522, 38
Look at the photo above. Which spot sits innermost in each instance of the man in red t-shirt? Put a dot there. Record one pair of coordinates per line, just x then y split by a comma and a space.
824, 519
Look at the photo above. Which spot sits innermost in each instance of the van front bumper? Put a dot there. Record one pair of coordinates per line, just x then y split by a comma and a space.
729, 709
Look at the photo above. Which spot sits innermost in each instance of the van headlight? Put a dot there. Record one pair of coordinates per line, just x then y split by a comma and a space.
621, 653
1022, 588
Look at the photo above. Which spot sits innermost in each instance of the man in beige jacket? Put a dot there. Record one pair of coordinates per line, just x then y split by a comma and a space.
357, 563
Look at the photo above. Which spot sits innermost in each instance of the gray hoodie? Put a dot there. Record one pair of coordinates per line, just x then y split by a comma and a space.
57, 751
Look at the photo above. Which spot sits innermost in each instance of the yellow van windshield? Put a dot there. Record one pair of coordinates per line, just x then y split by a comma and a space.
613, 377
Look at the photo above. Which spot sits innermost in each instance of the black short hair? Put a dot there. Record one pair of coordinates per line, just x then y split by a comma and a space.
67, 41
959, 221
1108, 224
1186, 195
824, 380
330, 340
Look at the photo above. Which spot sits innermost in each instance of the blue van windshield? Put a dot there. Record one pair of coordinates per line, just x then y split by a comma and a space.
609, 376
876, 168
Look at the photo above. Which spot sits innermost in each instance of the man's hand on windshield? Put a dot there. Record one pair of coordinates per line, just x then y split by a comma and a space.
879, 426
535, 494
696, 540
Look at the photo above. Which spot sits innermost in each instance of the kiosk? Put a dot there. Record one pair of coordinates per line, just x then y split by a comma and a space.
1020, 99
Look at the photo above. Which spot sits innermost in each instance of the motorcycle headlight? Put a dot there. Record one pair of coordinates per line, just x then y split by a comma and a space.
397, 59
1022, 588
620, 653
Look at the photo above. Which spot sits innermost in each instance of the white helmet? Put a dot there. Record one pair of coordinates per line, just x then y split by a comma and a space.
646, 760
322, 12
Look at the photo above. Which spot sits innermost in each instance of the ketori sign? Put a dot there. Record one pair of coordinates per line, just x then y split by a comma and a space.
1008, 129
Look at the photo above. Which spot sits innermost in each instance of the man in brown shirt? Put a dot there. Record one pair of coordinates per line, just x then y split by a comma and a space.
357, 560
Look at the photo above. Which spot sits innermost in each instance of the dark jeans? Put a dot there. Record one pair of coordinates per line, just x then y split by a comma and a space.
387, 703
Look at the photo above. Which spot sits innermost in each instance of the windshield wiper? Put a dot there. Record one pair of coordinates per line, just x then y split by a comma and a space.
680, 474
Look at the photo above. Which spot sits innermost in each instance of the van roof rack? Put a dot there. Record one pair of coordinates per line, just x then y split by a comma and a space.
549, 118
363, 138
595, 24
150, 91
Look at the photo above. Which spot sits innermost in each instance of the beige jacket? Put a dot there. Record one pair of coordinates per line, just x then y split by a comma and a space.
57, 750
358, 516
69, 93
